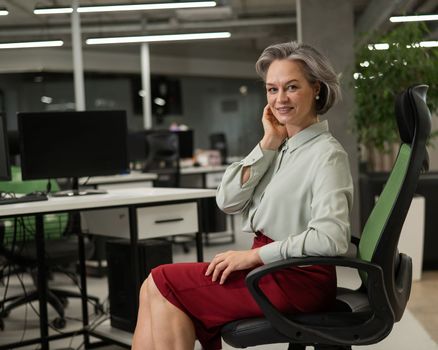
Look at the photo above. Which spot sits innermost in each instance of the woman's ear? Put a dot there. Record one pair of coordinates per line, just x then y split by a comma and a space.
317, 88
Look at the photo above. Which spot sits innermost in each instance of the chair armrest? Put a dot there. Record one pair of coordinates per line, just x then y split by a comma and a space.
375, 285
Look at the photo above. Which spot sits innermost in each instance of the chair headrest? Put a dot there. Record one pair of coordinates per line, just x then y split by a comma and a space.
409, 108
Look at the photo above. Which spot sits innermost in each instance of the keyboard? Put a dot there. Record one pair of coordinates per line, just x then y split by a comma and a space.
24, 199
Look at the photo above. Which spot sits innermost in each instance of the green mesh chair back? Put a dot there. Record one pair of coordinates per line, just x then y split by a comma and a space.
54, 224
383, 227
376, 222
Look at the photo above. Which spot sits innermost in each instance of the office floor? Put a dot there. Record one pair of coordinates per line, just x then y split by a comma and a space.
418, 329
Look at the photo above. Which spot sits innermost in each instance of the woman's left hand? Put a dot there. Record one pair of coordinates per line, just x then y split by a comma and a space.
225, 263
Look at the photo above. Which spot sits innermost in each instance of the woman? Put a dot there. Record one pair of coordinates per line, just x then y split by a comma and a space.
294, 191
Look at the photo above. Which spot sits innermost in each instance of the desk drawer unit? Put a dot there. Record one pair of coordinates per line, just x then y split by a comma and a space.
164, 220
154, 221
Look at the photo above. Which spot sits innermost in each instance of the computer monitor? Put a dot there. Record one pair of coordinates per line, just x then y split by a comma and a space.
5, 169
185, 143
73, 144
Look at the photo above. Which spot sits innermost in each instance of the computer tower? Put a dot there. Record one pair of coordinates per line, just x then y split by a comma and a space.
123, 295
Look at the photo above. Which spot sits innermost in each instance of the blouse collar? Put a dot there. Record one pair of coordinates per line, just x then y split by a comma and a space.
305, 135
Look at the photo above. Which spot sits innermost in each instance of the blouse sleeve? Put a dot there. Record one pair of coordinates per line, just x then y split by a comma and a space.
232, 197
328, 230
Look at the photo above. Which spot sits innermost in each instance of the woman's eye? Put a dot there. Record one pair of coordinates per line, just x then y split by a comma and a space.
291, 87
272, 90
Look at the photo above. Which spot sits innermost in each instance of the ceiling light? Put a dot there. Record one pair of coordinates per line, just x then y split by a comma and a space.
3, 11
157, 38
31, 44
414, 18
53, 11
429, 43
130, 7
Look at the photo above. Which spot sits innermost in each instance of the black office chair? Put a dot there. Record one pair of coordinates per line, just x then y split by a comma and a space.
218, 141
61, 248
367, 315
163, 158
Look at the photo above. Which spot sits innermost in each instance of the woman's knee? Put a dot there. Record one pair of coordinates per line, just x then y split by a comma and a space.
144, 289
152, 290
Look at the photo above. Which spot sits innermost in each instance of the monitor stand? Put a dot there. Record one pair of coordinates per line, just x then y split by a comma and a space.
76, 192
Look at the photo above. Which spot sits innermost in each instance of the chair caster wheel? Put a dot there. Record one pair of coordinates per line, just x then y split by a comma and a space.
5, 313
98, 309
59, 323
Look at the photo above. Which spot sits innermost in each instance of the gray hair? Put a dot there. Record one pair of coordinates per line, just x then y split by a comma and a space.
317, 68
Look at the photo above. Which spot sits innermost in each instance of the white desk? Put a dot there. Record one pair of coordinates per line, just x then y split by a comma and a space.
132, 180
211, 175
138, 201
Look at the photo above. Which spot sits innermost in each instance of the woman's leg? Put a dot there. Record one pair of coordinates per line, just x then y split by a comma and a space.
142, 338
171, 327
160, 324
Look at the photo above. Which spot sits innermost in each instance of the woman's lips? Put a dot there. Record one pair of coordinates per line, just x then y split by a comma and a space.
284, 109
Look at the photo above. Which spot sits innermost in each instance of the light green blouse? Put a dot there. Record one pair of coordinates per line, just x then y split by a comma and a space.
299, 196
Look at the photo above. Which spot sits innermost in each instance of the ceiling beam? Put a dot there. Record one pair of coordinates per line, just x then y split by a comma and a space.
99, 29
375, 14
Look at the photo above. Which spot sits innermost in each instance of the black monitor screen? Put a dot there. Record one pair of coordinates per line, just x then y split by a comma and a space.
5, 170
72, 144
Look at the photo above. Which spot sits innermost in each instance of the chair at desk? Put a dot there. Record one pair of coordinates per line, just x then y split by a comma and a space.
367, 315
163, 158
218, 142
17, 245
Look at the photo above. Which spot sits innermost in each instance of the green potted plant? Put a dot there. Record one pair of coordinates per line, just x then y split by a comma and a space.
380, 74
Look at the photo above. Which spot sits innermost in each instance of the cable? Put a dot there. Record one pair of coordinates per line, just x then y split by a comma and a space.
49, 186
86, 181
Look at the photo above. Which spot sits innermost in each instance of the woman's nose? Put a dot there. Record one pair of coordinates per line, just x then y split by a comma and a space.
282, 95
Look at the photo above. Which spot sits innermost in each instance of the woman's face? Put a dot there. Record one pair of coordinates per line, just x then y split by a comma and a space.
290, 96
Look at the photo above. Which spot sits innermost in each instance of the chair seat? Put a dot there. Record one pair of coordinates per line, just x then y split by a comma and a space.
58, 251
352, 307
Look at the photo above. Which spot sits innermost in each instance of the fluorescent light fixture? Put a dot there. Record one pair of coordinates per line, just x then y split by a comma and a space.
429, 43
31, 44
157, 38
53, 11
414, 18
3, 11
130, 7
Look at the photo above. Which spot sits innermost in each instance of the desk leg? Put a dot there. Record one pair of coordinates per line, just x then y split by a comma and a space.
42, 280
202, 225
84, 298
133, 231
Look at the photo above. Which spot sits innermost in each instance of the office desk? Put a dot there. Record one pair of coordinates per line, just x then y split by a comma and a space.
132, 180
142, 205
211, 176
220, 224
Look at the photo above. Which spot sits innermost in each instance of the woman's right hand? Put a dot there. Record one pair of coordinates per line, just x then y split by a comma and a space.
275, 133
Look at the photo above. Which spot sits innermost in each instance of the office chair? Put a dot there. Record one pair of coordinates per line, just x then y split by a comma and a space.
163, 158
366, 315
61, 250
218, 142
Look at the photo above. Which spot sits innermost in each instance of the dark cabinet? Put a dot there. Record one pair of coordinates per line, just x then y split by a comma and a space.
371, 185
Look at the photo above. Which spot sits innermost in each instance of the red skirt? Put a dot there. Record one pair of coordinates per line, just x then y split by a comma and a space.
211, 305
